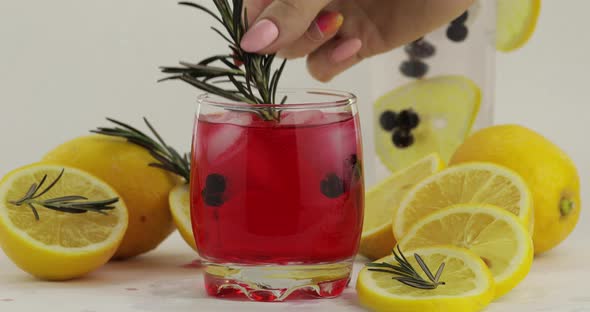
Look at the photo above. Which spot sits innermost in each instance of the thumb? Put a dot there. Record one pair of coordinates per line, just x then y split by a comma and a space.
281, 23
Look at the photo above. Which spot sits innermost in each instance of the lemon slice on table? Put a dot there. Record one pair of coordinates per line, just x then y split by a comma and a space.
482, 183
468, 284
181, 213
446, 107
382, 201
516, 21
492, 233
59, 245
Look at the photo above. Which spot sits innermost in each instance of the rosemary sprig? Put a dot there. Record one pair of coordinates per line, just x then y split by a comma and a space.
406, 274
70, 204
167, 157
255, 82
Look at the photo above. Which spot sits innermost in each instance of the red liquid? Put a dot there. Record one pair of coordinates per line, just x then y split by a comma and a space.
274, 208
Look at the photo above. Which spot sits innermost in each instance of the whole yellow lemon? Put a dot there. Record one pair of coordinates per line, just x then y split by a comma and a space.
124, 166
550, 174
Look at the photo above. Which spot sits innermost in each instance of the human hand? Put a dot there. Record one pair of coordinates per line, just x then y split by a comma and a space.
337, 34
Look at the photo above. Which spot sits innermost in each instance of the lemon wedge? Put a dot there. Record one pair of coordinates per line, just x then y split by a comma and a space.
181, 213
446, 106
516, 21
382, 201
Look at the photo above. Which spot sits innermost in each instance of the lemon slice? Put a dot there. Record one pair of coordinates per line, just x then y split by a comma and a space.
181, 213
469, 285
447, 107
492, 233
483, 183
59, 245
382, 201
516, 21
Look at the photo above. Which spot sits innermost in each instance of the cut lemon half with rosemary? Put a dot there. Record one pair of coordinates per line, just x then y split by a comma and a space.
181, 213
446, 108
382, 201
58, 222
516, 21
464, 283
492, 233
482, 183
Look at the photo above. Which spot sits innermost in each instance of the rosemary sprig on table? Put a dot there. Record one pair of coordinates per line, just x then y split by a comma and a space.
406, 274
70, 204
255, 82
168, 158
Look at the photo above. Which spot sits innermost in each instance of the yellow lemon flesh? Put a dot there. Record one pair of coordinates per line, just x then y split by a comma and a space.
58, 246
447, 107
382, 201
550, 174
516, 21
181, 213
468, 287
124, 166
492, 233
483, 183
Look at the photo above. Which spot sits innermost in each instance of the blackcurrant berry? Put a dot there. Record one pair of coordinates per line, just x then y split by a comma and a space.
332, 186
457, 32
402, 138
214, 200
388, 120
408, 119
215, 183
414, 68
461, 19
420, 49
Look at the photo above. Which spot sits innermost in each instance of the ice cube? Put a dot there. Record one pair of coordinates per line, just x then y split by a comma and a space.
238, 118
229, 117
224, 141
309, 117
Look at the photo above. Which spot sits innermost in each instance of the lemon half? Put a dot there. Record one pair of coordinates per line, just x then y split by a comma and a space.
59, 245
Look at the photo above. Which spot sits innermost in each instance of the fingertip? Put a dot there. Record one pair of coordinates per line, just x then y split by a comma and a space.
346, 50
318, 72
260, 36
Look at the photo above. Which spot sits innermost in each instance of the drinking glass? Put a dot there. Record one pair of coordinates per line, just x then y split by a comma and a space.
277, 194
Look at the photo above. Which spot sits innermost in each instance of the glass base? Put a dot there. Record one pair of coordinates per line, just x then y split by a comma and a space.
270, 283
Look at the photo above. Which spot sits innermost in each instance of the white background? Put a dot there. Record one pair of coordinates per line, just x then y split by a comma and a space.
66, 64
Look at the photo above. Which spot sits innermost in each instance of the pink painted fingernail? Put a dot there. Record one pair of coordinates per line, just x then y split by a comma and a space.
346, 50
329, 22
260, 36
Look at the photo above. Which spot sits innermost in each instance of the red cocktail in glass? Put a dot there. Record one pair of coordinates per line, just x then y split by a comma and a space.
277, 195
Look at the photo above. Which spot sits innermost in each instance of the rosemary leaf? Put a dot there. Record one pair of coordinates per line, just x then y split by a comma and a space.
65, 198
439, 272
69, 204
260, 84
202, 8
49, 187
166, 157
424, 267
405, 273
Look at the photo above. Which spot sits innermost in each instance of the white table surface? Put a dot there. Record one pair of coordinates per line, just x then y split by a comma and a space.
159, 281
